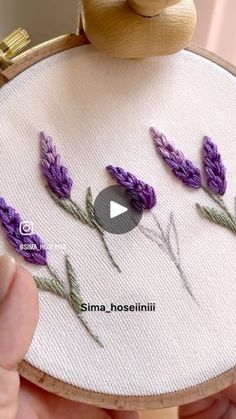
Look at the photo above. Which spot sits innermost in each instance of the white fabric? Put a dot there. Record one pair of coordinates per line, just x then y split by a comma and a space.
99, 110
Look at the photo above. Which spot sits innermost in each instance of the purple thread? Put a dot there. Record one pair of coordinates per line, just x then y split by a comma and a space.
215, 170
11, 221
142, 195
182, 168
56, 175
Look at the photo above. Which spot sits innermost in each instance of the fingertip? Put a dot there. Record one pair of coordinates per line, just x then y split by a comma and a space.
18, 313
7, 272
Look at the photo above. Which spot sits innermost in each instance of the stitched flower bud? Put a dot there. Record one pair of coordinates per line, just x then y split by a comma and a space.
56, 175
142, 195
30, 247
182, 168
215, 170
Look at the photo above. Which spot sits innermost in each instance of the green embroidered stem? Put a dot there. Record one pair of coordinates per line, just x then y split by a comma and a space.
102, 236
56, 287
86, 217
90, 211
87, 327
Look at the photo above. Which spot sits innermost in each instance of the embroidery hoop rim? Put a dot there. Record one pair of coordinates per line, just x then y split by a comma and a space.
58, 387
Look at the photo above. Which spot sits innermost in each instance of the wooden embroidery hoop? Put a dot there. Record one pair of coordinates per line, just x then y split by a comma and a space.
55, 386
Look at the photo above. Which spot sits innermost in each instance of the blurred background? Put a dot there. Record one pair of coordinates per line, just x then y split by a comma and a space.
45, 19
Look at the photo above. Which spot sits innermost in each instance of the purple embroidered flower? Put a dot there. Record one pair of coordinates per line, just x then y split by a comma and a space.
30, 247
142, 195
215, 170
56, 174
182, 168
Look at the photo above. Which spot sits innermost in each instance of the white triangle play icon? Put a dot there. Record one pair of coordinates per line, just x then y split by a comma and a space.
116, 209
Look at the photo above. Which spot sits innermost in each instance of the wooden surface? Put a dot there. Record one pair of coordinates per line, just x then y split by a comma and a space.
110, 401
113, 27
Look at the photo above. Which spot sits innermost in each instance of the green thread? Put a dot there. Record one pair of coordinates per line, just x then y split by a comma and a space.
70, 206
217, 217
73, 296
102, 237
53, 286
223, 218
219, 200
87, 217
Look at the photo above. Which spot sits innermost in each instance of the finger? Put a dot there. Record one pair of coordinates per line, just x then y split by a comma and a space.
205, 409
123, 415
18, 319
36, 402
230, 393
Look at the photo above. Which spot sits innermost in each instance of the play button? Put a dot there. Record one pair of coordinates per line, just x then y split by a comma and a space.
114, 211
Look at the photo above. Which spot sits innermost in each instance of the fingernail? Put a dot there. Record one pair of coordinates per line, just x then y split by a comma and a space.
7, 271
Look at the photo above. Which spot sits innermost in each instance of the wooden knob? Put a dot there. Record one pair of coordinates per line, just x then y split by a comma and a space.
150, 8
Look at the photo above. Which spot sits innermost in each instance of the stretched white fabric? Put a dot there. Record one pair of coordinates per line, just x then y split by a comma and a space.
99, 110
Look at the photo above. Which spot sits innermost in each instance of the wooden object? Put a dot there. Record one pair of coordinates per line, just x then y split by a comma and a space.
126, 402
121, 28
151, 7
40, 52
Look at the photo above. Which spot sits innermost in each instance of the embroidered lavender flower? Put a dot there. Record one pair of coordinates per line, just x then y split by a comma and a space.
56, 175
142, 195
32, 249
59, 188
215, 170
11, 223
182, 168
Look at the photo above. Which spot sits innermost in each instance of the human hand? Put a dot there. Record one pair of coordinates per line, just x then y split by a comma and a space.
20, 399
219, 406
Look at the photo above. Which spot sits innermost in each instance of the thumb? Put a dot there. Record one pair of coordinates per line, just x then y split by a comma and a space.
18, 319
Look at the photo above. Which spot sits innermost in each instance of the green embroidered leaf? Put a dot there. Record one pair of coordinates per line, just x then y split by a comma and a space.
51, 285
87, 217
76, 299
53, 272
90, 210
89, 203
75, 295
220, 201
80, 214
71, 207
217, 217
